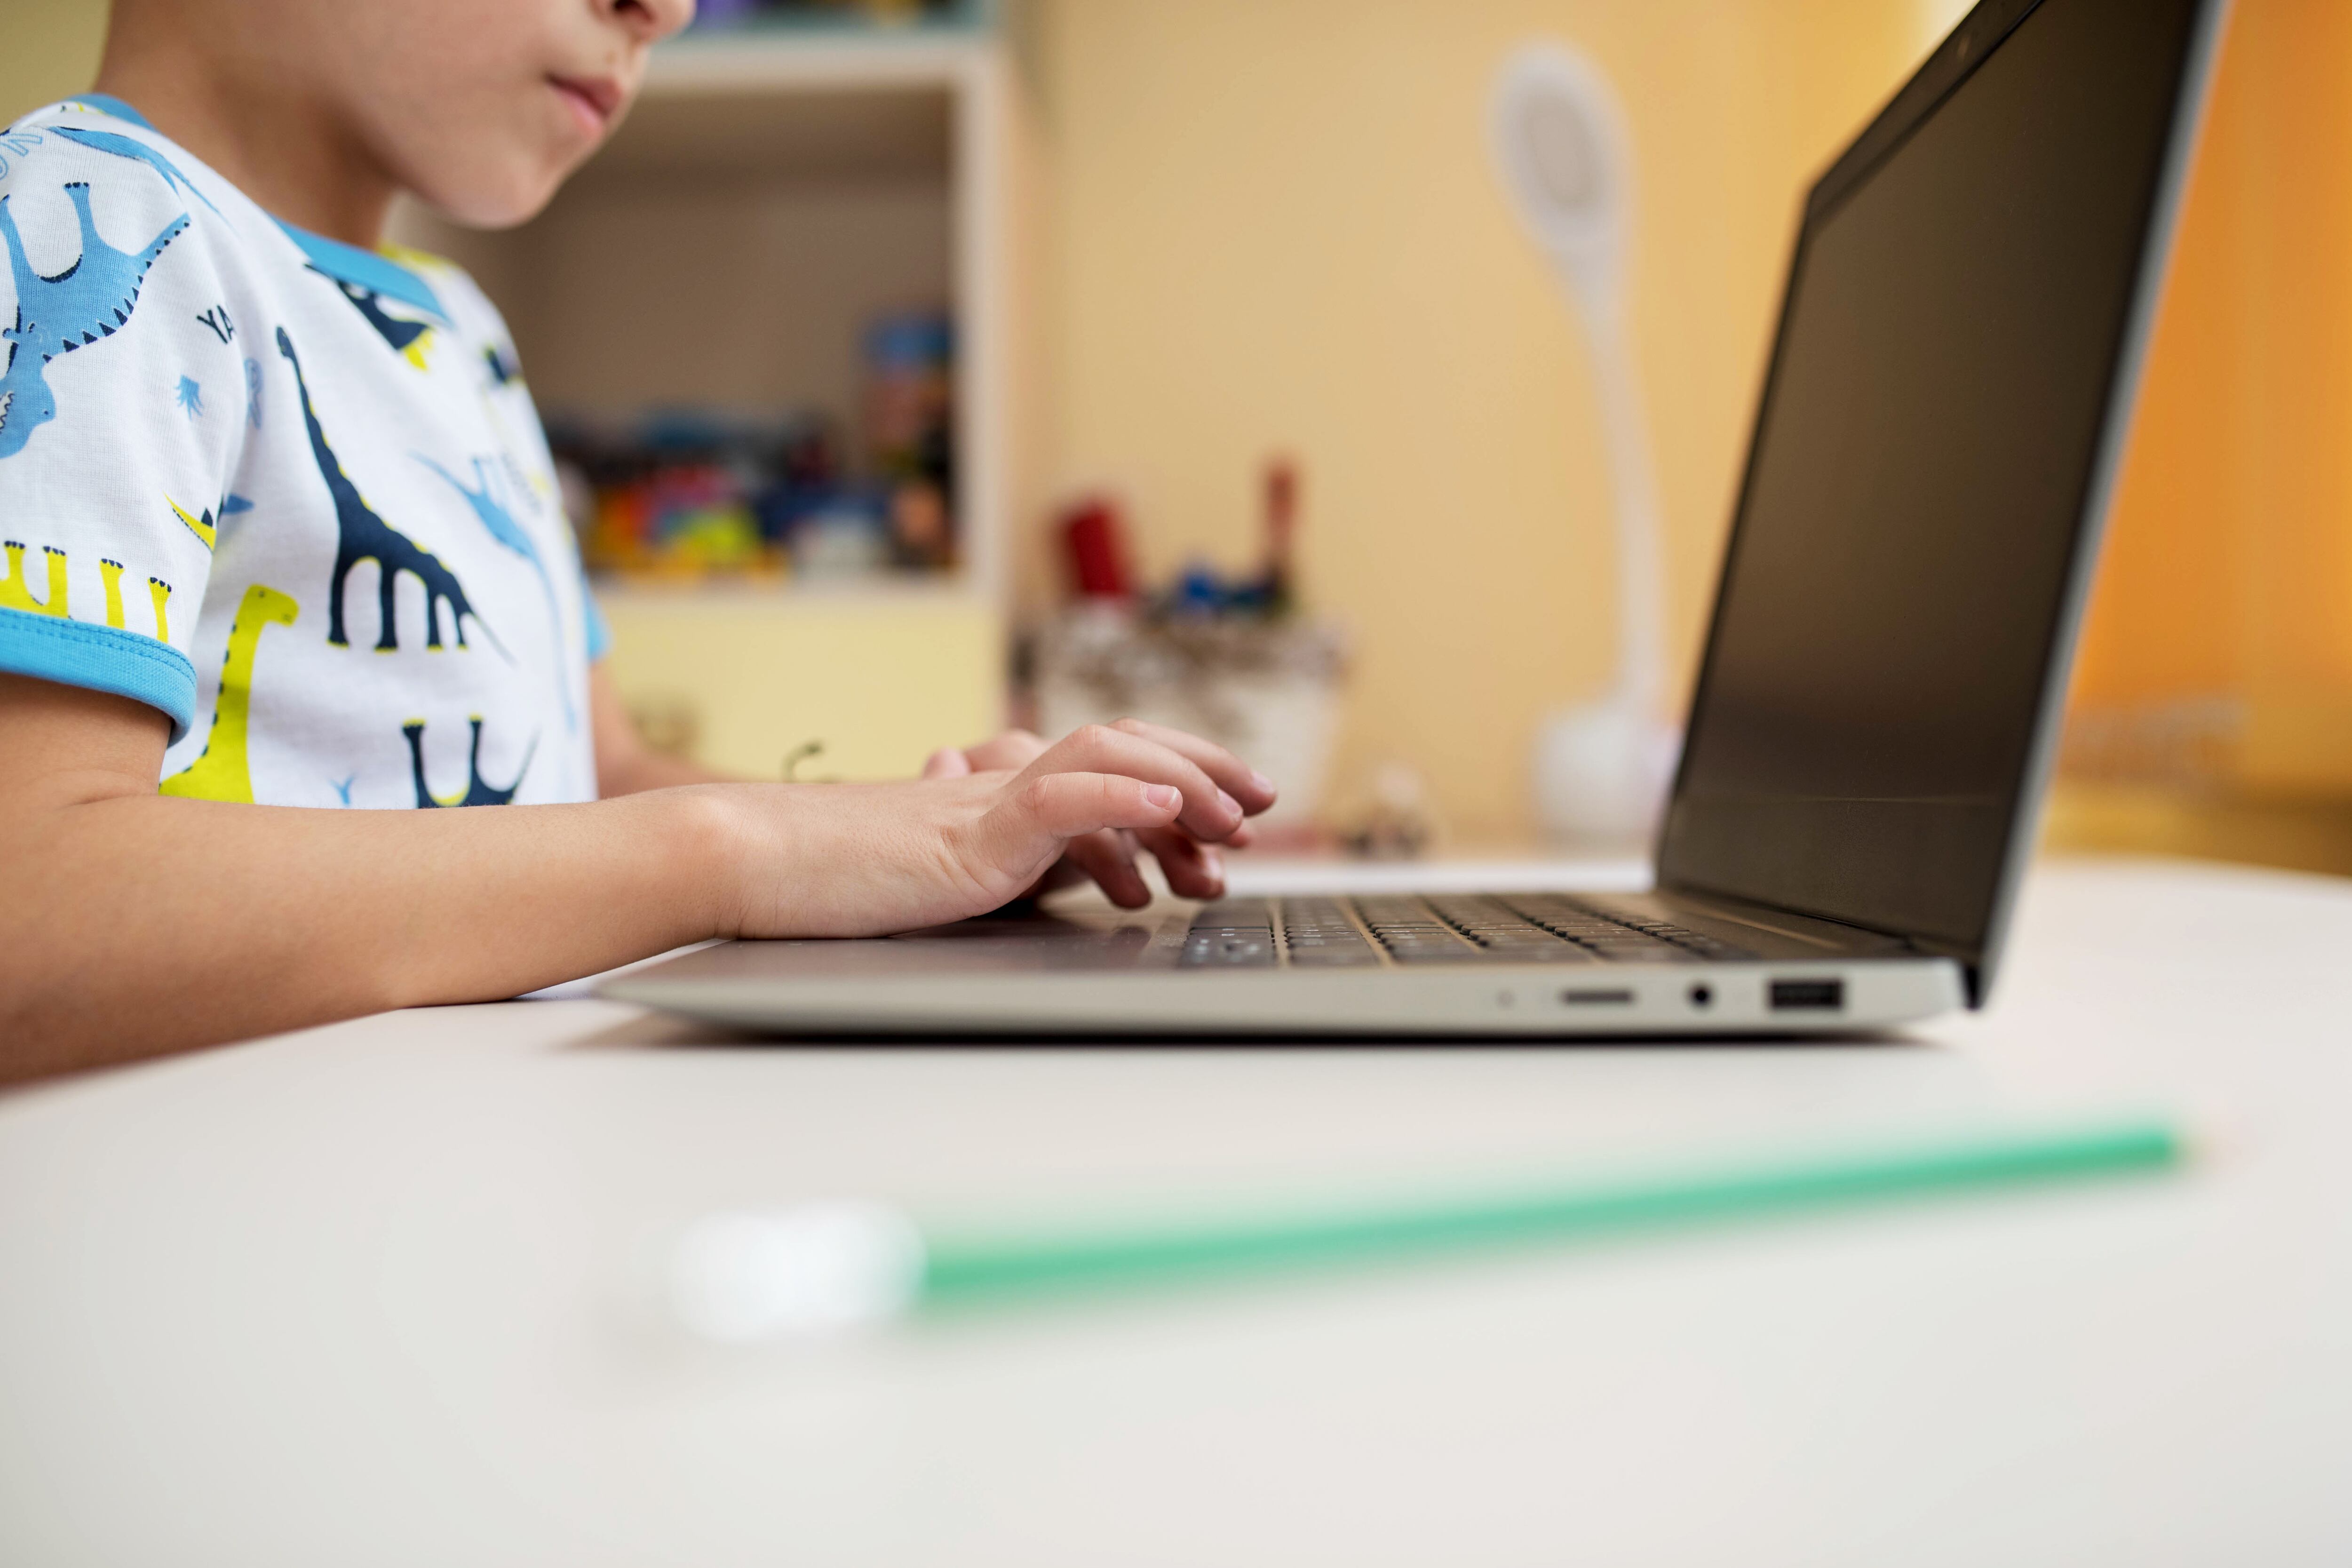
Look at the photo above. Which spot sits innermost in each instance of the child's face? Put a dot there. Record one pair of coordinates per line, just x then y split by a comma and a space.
480, 107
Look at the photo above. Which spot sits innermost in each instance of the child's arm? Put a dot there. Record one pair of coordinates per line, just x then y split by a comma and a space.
137, 923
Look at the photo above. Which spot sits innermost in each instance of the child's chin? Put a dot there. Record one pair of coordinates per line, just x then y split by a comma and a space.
517, 198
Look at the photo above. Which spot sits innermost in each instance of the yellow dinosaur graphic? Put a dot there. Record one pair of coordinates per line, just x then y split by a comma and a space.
204, 528
158, 591
221, 773
14, 594
110, 572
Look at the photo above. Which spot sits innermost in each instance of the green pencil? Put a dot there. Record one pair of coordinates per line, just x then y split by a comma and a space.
752, 1275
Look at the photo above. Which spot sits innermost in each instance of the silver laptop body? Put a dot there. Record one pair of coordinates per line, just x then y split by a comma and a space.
1939, 436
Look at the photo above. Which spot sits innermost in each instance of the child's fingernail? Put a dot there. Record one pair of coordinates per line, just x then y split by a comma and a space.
1260, 783
1232, 808
1162, 797
1212, 862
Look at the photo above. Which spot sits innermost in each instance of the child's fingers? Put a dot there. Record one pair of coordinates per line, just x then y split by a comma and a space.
1193, 870
1071, 805
1208, 811
1109, 859
1253, 789
947, 763
1011, 750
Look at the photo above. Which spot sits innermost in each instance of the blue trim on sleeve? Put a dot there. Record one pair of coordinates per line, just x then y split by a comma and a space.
101, 658
365, 269
593, 621
107, 103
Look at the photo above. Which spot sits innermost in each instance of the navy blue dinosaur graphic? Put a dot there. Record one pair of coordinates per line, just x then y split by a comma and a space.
500, 522
400, 335
130, 147
478, 793
90, 300
361, 535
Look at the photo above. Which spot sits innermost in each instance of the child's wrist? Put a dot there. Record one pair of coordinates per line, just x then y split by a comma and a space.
700, 848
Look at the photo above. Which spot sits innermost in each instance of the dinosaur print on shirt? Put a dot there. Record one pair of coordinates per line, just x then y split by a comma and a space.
222, 771
501, 526
14, 596
138, 152
364, 536
407, 338
234, 435
92, 299
477, 792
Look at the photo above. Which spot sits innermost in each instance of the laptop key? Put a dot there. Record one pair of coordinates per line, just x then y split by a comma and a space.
1253, 951
1460, 953
1358, 956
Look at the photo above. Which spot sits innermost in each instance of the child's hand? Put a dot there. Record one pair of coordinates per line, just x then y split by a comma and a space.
1193, 870
974, 833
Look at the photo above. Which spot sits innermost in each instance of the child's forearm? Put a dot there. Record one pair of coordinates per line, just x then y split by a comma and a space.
138, 924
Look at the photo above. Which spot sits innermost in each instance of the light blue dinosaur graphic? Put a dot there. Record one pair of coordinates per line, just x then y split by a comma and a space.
92, 299
15, 143
131, 147
190, 397
482, 496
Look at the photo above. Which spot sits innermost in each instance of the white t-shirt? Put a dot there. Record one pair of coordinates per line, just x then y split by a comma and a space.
291, 493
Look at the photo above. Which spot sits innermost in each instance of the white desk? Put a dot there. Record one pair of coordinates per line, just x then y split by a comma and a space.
379, 1294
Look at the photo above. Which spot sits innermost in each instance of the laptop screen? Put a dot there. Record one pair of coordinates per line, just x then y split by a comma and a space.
1961, 322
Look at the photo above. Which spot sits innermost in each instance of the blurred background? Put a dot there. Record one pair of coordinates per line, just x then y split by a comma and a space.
920, 366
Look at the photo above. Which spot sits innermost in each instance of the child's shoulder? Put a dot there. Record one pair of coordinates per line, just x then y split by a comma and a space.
93, 138
87, 185
91, 174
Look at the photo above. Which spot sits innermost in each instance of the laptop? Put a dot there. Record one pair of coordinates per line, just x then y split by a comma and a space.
1876, 707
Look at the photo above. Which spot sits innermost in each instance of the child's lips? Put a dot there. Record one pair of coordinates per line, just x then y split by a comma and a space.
593, 101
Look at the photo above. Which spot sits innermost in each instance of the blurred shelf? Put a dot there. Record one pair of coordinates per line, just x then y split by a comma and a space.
789, 59
758, 128
632, 596
774, 191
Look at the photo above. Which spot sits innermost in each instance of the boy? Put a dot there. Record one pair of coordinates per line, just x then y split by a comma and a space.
280, 527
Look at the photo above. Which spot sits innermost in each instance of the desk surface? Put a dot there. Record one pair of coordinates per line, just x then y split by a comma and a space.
382, 1293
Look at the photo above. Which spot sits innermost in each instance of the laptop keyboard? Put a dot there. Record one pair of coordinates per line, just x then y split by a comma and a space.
1342, 933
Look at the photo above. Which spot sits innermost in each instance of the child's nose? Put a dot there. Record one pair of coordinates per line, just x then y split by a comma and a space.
649, 20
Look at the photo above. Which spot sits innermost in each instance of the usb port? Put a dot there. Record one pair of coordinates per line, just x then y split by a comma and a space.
1620, 996
1807, 996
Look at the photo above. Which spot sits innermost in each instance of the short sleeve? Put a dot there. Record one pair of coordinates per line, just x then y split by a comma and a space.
122, 411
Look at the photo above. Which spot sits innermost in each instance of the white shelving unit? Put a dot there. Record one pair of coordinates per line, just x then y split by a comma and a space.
770, 194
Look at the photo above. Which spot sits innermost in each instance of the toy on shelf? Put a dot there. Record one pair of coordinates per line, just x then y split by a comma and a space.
910, 432
839, 16
689, 494
1228, 659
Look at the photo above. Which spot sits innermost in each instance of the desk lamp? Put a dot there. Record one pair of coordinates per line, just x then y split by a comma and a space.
1560, 141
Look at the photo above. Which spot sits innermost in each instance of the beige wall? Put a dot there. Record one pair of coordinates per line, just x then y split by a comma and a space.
48, 49
1276, 227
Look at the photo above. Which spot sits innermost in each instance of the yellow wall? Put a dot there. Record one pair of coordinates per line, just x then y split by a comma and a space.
47, 49
881, 681
1274, 227
2229, 569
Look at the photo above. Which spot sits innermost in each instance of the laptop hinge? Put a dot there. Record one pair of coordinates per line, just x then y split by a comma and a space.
1796, 925
1784, 922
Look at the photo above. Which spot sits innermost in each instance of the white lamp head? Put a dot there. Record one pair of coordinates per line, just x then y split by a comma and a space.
1559, 140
